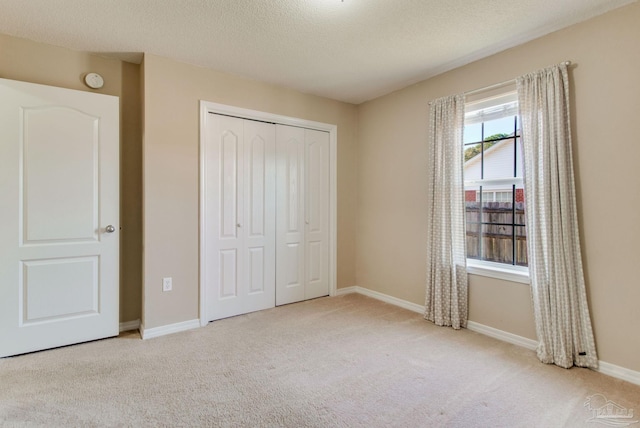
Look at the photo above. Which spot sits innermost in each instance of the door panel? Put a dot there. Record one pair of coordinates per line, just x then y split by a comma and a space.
256, 270
230, 180
59, 204
314, 261
43, 280
228, 274
59, 170
225, 171
290, 208
260, 214
256, 188
303, 214
292, 184
292, 273
317, 214
239, 216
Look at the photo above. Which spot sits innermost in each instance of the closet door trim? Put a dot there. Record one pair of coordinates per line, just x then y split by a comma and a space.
206, 109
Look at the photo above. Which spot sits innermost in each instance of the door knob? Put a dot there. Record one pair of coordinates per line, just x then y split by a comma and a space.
110, 229
239, 225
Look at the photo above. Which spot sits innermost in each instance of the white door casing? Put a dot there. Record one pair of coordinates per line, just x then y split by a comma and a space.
59, 190
207, 111
239, 216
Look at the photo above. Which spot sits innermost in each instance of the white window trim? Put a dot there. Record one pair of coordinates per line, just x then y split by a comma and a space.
498, 270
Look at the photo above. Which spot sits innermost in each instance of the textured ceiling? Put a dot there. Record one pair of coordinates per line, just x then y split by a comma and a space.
351, 50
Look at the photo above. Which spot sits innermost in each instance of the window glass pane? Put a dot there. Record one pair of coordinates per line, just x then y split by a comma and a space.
472, 215
502, 126
473, 162
491, 223
498, 159
520, 206
472, 133
496, 212
521, 246
497, 243
519, 170
497, 193
505, 196
521, 231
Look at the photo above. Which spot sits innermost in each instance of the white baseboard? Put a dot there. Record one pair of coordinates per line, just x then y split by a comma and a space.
129, 325
619, 372
150, 333
608, 369
346, 290
414, 307
502, 335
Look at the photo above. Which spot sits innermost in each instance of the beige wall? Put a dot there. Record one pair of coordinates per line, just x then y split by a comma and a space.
172, 91
606, 104
33, 62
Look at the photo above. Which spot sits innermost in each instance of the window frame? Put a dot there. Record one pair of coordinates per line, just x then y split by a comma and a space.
476, 109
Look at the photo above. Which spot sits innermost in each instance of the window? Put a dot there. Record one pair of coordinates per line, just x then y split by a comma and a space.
495, 196
494, 190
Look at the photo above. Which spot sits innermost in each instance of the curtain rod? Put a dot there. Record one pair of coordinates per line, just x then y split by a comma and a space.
497, 85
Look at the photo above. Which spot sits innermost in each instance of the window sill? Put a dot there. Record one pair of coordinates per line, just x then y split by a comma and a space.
498, 270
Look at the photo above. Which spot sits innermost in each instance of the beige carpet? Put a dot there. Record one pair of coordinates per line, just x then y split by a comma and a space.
344, 361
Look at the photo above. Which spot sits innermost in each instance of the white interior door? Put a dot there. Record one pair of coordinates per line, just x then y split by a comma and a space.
239, 216
302, 235
59, 167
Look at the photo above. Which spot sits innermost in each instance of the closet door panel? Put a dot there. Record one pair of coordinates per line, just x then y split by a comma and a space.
228, 277
260, 215
240, 216
317, 214
224, 178
290, 197
257, 272
293, 256
230, 153
256, 160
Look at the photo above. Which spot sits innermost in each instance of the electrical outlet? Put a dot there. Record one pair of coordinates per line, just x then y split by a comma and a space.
167, 284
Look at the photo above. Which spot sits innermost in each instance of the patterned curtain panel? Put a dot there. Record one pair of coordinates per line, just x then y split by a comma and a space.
446, 294
562, 317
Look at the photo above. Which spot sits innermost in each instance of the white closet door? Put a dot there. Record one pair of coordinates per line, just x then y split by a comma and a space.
317, 214
302, 243
239, 216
